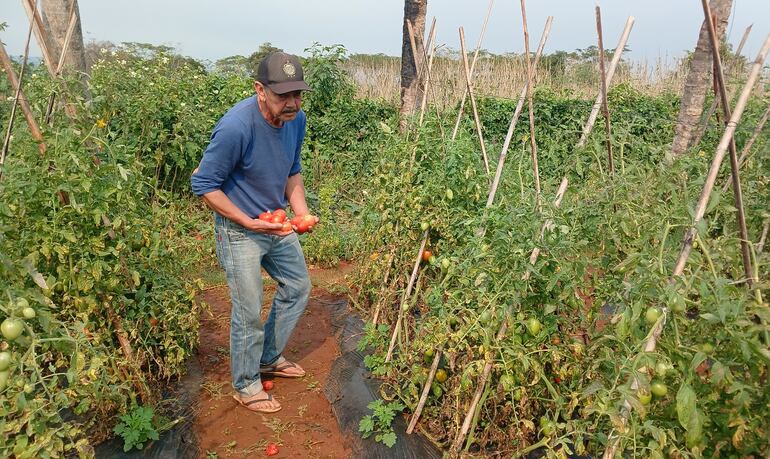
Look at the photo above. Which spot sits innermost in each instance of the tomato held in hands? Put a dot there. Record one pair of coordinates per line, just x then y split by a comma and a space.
303, 223
280, 213
266, 216
286, 227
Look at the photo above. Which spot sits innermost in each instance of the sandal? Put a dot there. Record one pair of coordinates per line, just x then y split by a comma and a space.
268, 405
279, 369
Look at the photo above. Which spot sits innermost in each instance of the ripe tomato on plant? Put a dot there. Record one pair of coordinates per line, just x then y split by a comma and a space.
426, 254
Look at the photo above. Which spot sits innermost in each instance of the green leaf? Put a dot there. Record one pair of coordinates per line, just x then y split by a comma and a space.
366, 426
685, 405
389, 439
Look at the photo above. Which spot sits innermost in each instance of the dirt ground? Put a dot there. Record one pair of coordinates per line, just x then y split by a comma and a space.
305, 426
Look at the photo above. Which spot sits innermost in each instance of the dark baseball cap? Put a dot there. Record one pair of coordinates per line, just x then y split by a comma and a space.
282, 73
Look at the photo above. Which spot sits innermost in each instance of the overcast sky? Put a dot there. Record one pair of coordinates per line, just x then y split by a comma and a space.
209, 29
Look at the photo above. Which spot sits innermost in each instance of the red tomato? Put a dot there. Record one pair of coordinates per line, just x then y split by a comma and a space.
268, 385
286, 227
303, 223
281, 213
266, 216
272, 449
426, 254
278, 218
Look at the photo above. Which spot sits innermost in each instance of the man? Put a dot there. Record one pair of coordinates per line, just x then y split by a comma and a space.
252, 165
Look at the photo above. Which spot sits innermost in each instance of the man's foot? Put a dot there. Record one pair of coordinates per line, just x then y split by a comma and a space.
283, 368
262, 402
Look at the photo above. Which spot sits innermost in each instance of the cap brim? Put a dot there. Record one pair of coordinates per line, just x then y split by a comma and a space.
289, 86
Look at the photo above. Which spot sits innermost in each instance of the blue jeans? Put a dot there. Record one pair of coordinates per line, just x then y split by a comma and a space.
242, 254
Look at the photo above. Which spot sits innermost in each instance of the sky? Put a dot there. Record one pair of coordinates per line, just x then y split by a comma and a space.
210, 29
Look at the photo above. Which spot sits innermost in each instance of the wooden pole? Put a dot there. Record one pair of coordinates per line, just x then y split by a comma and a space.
431, 52
404, 299
734, 167
473, 101
605, 107
610, 73
749, 144
425, 392
530, 104
515, 117
654, 335
19, 99
704, 123
458, 441
65, 47
43, 41
473, 68
763, 238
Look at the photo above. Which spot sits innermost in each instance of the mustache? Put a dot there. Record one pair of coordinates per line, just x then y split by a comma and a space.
289, 110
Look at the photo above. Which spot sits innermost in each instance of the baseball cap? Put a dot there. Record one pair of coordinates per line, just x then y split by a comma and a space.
282, 73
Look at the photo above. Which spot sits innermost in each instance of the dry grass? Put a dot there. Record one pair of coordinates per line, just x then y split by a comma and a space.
378, 78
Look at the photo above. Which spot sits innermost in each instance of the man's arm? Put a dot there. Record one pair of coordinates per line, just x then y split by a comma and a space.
219, 202
295, 193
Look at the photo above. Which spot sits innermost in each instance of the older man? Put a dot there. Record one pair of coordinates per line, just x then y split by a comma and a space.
252, 165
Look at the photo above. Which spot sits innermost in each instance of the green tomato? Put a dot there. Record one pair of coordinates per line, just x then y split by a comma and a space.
22, 302
449, 194
661, 368
677, 304
427, 357
508, 382
652, 314
534, 326
11, 328
658, 388
5, 360
441, 375
424, 226
485, 317
644, 397
437, 390
707, 348
445, 263
28, 313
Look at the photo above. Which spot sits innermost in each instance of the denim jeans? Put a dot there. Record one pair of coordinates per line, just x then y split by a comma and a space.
242, 254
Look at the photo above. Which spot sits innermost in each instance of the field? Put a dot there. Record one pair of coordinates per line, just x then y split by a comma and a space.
102, 239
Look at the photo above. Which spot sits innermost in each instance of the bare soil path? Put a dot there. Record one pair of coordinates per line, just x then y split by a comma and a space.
306, 426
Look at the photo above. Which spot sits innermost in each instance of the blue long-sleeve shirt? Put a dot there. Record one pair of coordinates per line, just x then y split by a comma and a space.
250, 160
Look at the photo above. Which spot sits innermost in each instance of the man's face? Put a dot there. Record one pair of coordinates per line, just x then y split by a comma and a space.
278, 108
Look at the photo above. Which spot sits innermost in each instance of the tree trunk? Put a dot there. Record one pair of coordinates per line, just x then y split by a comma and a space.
411, 84
698, 80
56, 19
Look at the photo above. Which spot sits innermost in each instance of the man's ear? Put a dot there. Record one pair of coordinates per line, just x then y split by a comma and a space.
260, 90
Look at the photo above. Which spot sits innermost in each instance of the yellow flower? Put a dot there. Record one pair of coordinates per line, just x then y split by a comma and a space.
101, 124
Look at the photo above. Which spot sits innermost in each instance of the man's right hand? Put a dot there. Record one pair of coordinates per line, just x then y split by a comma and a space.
261, 226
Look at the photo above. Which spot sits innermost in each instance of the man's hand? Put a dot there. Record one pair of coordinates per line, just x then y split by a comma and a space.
261, 226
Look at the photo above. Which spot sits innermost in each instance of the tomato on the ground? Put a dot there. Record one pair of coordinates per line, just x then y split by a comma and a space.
272, 449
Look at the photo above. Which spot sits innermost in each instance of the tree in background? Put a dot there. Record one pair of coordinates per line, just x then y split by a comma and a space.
698, 79
411, 86
56, 19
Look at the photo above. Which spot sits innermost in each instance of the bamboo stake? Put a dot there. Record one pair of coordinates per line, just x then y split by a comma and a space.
455, 449
43, 41
530, 104
431, 51
654, 335
590, 122
745, 249
408, 292
65, 47
761, 243
473, 100
605, 107
515, 117
749, 144
704, 123
610, 73
19, 99
384, 284
425, 392
473, 67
